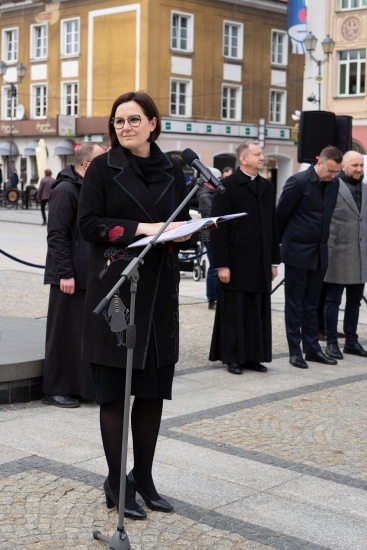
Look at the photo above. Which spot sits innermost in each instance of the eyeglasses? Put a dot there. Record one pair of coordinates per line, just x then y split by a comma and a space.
134, 121
336, 172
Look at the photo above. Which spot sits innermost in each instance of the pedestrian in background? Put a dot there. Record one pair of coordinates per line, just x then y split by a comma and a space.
44, 192
304, 214
227, 171
14, 179
205, 197
65, 374
246, 254
347, 267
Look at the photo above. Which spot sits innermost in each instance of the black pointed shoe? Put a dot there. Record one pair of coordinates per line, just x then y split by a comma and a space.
332, 350
319, 357
355, 349
234, 368
158, 505
298, 361
136, 512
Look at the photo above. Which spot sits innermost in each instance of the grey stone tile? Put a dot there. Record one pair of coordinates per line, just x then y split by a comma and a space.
329, 496
197, 489
309, 522
9, 454
218, 465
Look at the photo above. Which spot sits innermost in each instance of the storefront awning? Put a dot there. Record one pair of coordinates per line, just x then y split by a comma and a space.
8, 148
30, 149
65, 147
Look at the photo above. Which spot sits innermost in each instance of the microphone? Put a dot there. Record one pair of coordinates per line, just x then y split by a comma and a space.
192, 159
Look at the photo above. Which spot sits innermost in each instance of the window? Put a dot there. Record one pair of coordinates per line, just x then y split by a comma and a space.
39, 41
352, 72
70, 98
181, 97
353, 4
10, 102
70, 37
39, 101
233, 40
182, 34
231, 103
277, 107
10, 45
279, 48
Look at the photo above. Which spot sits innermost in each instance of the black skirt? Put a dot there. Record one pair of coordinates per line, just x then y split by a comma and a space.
65, 373
150, 382
242, 327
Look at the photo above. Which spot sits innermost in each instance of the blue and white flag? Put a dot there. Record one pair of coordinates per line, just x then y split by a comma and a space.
297, 28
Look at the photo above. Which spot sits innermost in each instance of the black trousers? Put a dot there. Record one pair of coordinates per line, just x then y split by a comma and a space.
43, 209
302, 288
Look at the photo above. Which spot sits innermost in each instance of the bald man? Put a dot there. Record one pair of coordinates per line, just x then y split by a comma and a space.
347, 267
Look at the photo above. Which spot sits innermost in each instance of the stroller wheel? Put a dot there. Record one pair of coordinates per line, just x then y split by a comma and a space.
196, 274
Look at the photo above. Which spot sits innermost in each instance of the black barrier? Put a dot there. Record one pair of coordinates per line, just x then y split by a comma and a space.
21, 261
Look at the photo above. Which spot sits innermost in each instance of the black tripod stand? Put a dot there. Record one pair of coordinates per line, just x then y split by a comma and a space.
120, 540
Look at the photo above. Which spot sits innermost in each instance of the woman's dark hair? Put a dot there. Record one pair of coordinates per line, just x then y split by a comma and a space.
149, 109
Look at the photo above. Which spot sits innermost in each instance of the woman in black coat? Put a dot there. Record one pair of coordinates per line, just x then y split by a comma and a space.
127, 193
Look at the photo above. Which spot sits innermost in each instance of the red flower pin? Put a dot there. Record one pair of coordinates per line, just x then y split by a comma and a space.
115, 233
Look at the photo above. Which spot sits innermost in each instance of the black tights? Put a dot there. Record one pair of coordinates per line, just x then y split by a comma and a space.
146, 417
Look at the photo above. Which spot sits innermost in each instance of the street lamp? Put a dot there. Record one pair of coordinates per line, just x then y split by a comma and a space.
21, 70
327, 44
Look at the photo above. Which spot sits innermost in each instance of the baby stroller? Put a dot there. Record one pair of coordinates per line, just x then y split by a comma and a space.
192, 260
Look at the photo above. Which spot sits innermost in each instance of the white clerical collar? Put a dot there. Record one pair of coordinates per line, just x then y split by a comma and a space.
248, 175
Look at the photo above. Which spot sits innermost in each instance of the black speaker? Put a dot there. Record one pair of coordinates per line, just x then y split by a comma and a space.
316, 131
343, 133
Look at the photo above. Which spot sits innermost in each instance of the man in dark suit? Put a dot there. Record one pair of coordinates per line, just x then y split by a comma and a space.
304, 215
245, 252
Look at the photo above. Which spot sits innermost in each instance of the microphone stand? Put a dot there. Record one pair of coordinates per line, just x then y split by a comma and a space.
120, 540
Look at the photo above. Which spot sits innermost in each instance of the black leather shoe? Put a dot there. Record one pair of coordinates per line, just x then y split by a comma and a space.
298, 361
212, 305
254, 365
63, 401
332, 350
320, 357
355, 349
135, 512
234, 368
158, 505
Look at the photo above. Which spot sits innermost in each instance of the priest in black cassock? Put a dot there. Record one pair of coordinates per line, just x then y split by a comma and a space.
246, 254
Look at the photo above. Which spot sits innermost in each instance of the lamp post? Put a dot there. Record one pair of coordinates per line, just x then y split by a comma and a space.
327, 44
21, 70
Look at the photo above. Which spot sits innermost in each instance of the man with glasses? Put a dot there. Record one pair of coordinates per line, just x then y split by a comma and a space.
347, 258
304, 212
65, 374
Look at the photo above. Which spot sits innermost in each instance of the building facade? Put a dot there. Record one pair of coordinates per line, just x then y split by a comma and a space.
219, 70
343, 84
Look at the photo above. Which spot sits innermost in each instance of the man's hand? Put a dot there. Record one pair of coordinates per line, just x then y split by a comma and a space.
224, 274
274, 272
67, 285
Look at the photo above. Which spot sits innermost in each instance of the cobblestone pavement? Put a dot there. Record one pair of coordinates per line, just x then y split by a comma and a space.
271, 461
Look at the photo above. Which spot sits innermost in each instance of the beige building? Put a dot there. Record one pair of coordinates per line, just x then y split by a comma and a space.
343, 84
219, 70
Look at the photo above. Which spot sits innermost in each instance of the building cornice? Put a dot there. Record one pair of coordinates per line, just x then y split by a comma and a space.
6, 6
268, 5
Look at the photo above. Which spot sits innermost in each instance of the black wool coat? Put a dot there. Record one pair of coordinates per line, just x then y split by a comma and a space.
248, 245
67, 252
304, 216
114, 200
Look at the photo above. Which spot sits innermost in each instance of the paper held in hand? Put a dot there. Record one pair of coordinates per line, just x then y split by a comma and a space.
191, 226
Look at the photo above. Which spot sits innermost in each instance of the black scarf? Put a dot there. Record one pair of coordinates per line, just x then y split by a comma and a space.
355, 187
151, 169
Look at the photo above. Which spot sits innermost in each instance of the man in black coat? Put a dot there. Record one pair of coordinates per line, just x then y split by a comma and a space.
246, 253
304, 214
65, 373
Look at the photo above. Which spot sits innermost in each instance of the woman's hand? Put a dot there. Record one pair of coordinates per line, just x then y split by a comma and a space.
150, 229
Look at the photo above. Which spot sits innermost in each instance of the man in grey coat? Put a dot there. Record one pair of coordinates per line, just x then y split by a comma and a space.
347, 267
